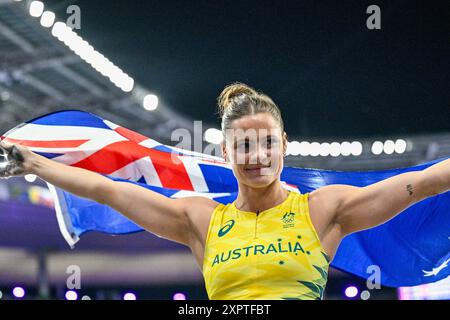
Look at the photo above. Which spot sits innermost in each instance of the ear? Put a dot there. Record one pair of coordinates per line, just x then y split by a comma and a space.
224, 151
285, 142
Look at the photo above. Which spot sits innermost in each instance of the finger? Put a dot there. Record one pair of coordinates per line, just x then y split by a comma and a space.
17, 154
5, 144
3, 153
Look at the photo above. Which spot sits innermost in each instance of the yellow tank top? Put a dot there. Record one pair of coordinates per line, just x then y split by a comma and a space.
275, 254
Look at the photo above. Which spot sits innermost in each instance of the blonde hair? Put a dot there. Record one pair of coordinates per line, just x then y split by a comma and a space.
238, 100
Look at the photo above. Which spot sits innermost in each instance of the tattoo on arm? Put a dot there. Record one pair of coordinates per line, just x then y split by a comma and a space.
409, 188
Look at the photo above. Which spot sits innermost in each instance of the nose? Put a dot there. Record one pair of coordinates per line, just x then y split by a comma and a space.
259, 156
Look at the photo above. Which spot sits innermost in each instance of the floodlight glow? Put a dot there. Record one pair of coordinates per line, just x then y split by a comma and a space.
179, 296
47, 19
19, 292
400, 146
351, 292
36, 8
377, 147
129, 296
389, 147
71, 295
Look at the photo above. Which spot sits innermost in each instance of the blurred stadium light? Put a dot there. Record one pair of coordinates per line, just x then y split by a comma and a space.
433, 291
40, 74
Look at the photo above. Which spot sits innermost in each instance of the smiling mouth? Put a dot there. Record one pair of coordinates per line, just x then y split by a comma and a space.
253, 169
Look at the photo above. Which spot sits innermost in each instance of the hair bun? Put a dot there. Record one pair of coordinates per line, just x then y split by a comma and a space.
230, 92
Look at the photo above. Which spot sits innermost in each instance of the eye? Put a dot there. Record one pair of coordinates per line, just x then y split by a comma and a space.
270, 142
243, 147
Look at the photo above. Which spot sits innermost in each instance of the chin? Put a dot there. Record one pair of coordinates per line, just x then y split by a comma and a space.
260, 181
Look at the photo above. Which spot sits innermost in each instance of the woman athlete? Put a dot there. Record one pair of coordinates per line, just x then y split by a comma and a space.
270, 243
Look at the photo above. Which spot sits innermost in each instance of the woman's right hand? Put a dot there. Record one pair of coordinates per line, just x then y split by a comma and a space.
15, 160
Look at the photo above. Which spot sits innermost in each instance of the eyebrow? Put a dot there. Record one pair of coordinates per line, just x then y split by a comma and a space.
272, 137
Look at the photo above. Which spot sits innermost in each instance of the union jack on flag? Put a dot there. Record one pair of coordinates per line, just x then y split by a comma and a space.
410, 249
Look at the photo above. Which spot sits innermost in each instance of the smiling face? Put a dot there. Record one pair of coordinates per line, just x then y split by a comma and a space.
255, 146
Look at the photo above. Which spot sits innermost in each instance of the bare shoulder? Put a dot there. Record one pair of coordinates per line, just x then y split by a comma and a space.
198, 206
324, 197
198, 210
329, 196
323, 203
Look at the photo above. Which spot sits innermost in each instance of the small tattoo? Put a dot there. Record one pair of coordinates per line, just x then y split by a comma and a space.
409, 188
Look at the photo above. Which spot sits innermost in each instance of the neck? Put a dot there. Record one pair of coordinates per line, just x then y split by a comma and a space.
260, 199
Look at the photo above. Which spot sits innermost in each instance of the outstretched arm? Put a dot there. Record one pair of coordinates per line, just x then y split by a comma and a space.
363, 208
154, 212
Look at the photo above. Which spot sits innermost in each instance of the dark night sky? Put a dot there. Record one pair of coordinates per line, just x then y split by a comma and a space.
329, 74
